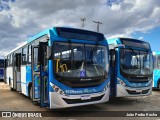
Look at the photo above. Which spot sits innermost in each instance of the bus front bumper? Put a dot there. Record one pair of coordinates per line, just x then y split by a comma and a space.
123, 91
63, 101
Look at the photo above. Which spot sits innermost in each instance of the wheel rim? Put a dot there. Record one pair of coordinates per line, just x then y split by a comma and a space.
30, 93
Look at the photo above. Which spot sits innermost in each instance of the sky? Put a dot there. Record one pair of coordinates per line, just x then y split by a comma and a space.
21, 19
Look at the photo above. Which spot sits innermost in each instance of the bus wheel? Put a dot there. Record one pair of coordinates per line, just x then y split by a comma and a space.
30, 93
159, 85
31, 96
11, 89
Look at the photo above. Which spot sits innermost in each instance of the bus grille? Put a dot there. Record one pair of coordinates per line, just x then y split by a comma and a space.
84, 84
136, 93
74, 101
138, 79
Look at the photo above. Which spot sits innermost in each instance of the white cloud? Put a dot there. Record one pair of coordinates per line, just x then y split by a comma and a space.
141, 38
121, 19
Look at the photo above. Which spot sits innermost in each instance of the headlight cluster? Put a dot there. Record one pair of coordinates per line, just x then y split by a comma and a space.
150, 82
107, 86
57, 89
121, 82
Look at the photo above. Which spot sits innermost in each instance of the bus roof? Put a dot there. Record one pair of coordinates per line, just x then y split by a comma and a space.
118, 40
56, 31
38, 35
17, 48
61, 32
129, 42
156, 53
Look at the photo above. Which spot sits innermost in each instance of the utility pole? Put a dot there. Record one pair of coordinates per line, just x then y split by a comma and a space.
98, 23
83, 20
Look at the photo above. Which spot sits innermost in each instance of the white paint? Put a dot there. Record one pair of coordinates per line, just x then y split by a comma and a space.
23, 88
9, 74
121, 91
23, 80
18, 81
56, 100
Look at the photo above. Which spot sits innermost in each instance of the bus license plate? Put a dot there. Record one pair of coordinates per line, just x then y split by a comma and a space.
138, 90
85, 97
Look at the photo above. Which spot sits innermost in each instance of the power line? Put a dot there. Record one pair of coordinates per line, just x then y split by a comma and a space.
98, 23
83, 20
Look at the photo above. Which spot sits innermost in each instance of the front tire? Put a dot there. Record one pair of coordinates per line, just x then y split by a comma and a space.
11, 89
30, 93
159, 85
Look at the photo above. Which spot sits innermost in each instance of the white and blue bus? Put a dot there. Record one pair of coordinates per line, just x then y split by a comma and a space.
61, 67
131, 63
156, 72
1, 68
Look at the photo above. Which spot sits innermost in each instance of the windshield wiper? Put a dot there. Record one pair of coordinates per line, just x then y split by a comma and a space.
93, 51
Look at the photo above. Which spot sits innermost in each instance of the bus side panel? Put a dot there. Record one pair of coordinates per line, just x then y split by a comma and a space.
23, 80
28, 78
156, 77
18, 81
7, 76
10, 76
120, 90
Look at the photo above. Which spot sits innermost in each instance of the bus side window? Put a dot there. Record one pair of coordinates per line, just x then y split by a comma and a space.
35, 62
24, 56
7, 62
10, 60
29, 54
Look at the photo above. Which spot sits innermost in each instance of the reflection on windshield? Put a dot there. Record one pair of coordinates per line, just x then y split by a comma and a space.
80, 60
136, 62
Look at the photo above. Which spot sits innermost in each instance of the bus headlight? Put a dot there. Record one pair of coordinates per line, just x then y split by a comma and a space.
107, 86
57, 89
149, 83
121, 82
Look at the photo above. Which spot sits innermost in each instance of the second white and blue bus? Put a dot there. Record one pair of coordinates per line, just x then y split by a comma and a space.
156, 72
131, 63
61, 67
1, 68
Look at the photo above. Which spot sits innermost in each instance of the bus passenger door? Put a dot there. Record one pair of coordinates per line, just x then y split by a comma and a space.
43, 73
35, 89
113, 72
39, 74
17, 71
5, 71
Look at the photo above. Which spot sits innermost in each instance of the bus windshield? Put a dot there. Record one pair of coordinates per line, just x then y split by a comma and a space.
1, 63
80, 60
136, 62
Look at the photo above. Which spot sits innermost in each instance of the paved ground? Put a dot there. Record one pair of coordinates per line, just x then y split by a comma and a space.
13, 101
